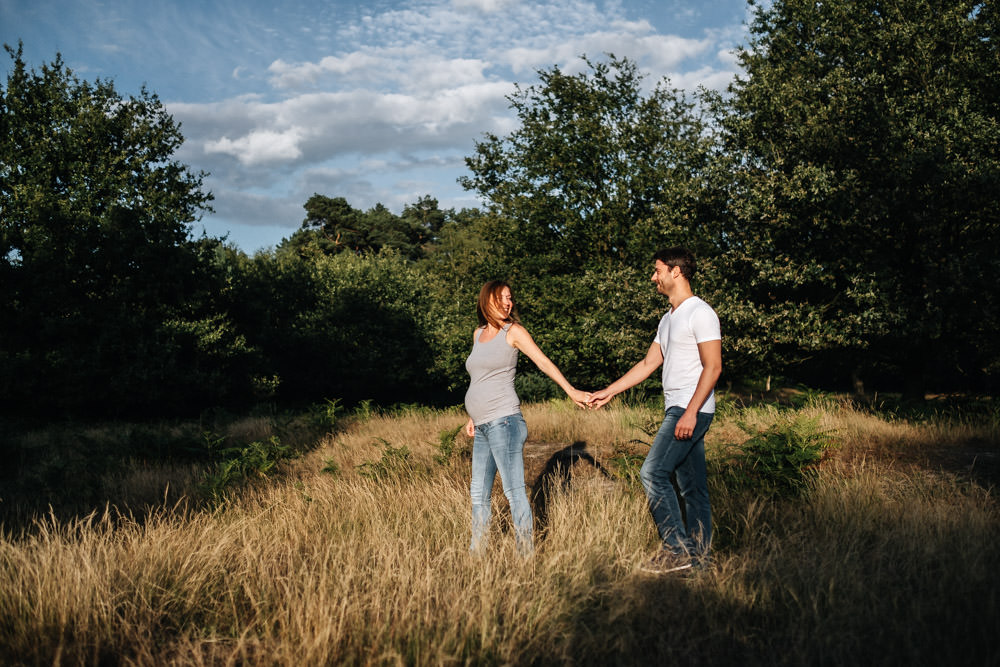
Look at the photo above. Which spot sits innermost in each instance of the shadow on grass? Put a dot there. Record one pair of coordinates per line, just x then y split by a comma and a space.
809, 585
558, 472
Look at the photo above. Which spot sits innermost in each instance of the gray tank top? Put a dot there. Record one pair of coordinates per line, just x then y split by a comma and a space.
491, 366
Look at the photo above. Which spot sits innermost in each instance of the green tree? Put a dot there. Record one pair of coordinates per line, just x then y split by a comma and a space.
332, 226
343, 326
591, 162
105, 302
426, 217
865, 207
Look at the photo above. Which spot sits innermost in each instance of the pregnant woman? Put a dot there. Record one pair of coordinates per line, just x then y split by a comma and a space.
495, 422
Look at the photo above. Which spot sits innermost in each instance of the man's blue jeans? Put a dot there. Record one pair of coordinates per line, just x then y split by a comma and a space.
686, 459
498, 446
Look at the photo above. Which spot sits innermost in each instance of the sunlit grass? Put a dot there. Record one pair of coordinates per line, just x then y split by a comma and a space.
878, 563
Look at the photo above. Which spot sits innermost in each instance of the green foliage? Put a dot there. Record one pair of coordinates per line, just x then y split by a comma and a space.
593, 325
459, 246
327, 415
779, 461
345, 325
333, 226
213, 445
108, 304
446, 445
394, 464
866, 138
626, 464
592, 160
241, 464
364, 410
808, 397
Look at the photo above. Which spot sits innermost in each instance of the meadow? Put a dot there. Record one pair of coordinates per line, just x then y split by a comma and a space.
843, 535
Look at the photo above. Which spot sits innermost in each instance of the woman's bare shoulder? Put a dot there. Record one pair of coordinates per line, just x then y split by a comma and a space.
517, 332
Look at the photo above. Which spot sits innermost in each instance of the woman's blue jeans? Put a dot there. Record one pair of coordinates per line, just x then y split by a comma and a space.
498, 446
685, 459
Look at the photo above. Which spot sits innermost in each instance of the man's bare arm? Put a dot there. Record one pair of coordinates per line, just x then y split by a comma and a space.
635, 375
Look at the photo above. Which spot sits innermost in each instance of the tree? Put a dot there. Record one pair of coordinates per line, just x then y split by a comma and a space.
333, 226
105, 295
426, 218
869, 143
343, 326
592, 161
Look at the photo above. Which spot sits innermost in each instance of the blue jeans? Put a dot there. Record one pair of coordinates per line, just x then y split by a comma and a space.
686, 459
498, 446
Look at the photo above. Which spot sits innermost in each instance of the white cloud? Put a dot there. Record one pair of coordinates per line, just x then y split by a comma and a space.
260, 146
485, 6
316, 127
371, 101
409, 68
656, 53
707, 77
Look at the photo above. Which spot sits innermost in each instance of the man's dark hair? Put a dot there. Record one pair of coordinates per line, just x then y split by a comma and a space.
678, 256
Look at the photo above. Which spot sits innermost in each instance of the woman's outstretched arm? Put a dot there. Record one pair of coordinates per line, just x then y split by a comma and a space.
519, 337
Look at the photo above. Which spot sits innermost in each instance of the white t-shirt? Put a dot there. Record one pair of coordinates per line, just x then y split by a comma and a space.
678, 335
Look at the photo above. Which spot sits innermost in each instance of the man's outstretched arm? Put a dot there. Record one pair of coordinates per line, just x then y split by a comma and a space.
635, 375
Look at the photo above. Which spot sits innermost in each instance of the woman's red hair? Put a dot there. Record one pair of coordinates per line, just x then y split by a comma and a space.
486, 308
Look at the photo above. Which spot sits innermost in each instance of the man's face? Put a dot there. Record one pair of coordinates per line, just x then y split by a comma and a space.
663, 276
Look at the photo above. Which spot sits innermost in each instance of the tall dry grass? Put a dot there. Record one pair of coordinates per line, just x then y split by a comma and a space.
878, 564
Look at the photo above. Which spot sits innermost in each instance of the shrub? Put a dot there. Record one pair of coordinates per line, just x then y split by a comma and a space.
256, 460
395, 463
446, 445
777, 461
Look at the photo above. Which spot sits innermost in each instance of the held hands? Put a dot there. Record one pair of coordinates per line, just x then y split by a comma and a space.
581, 398
599, 398
591, 400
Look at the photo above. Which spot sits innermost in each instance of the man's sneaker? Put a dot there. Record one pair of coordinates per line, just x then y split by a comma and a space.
665, 562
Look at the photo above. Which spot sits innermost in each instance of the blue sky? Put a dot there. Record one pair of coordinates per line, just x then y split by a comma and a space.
376, 101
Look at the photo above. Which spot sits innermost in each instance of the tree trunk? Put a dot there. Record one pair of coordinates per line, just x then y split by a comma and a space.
858, 383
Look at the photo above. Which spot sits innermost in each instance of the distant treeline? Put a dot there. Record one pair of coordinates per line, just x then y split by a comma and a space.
841, 198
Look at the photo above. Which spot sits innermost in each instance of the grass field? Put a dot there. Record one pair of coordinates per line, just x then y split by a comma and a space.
886, 552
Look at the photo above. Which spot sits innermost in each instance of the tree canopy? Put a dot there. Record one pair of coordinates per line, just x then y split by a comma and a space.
332, 226
869, 144
104, 290
592, 160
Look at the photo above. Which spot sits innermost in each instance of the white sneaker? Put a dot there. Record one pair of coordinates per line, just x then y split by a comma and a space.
665, 562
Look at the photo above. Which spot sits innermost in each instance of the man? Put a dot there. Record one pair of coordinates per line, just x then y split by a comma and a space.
688, 344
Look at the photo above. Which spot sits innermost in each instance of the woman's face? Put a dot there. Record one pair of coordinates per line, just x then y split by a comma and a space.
504, 303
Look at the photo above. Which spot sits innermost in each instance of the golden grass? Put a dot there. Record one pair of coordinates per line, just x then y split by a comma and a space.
877, 563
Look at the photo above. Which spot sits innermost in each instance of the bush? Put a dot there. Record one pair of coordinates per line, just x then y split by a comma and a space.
394, 464
778, 461
239, 464
350, 326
